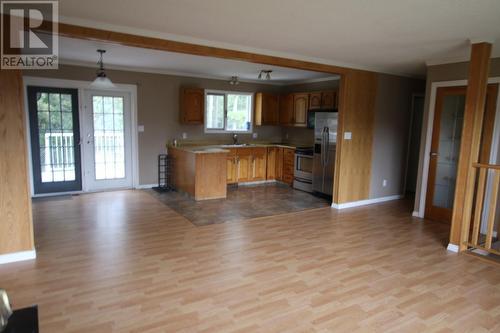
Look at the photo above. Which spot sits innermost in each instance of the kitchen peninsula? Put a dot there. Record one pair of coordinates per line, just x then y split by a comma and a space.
204, 172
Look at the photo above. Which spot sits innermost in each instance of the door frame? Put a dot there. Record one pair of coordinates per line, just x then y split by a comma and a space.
426, 138
81, 86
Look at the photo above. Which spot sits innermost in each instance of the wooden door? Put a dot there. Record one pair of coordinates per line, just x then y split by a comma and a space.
300, 106
288, 165
445, 148
244, 165
192, 105
286, 110
328, 99
259, 165
315, 101
271, 163
270, 114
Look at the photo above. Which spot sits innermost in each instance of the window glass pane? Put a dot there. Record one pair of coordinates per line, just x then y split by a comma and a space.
97, 104
67, 121
108, 104
215, 111
66, 102
118, 105
54, 102
43, 120
55, 120
42, 100
238, 112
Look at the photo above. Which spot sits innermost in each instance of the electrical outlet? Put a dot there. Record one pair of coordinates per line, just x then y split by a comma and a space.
384, 182
347, 135
140, 128
286, 136
255, 135
184, 135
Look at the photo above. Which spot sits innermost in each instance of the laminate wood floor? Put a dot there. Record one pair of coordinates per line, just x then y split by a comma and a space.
124, 262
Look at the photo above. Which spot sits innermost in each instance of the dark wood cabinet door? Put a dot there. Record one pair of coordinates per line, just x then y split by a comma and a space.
286, 110
329, 99
192, 105
315, 101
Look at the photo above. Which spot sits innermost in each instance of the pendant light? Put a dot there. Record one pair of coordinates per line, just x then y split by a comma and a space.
265, 74
101, 81
234, 81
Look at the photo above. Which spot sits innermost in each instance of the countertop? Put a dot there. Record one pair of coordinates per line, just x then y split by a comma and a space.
217, 149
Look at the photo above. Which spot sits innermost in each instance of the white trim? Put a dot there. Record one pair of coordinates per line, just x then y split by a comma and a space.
81, 86
453, 248
366, 202
428, 136
415, 214
17, 256
144, 186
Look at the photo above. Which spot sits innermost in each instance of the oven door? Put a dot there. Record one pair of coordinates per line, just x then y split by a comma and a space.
303, 166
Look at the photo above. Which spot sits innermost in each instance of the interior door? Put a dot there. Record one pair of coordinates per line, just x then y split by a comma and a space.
55, 139
445, 148
107, 140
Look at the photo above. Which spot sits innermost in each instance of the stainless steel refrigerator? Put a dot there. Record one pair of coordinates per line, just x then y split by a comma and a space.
325, 145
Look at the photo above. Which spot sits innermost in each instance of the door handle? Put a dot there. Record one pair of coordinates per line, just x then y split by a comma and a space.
433, 154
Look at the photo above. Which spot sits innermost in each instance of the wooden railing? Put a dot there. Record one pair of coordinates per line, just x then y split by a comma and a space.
480, 240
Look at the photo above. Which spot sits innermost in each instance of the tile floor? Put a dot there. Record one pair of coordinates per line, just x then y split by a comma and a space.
242, 203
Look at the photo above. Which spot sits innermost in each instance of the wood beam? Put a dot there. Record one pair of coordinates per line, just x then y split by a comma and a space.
16, 229
470, 143
87, 33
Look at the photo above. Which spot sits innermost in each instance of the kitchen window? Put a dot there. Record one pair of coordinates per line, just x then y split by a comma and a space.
228, 111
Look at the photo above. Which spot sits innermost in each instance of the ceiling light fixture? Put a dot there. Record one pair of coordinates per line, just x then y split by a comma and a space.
234, 81
101, 81
265, 74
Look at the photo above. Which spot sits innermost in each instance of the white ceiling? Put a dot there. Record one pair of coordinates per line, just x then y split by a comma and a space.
83, 52
393, 36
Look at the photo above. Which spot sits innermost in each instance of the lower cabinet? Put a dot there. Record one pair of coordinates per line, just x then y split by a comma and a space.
257, 164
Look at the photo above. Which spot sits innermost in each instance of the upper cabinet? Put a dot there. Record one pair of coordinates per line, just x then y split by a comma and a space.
192, 105
286, 110
315, 100
300, 107
329, 99
266, 109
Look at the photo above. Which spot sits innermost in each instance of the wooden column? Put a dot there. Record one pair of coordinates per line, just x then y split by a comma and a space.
470, 143
358, 91
16, 228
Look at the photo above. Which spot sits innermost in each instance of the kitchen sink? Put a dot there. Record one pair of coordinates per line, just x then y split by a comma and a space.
239, 145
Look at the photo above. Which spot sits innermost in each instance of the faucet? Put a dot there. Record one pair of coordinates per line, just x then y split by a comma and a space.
235, 139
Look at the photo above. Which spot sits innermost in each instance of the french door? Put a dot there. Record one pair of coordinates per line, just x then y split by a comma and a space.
55, 139
445, 147
107, 140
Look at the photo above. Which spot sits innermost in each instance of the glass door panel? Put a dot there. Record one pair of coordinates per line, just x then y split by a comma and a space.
55, 139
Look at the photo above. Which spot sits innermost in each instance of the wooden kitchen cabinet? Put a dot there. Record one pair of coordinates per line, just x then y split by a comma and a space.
271, 163
266, 109
300, 107
286, 110
288, 165
259, 164
315, 100
232, 167
192, 105
329, 99
279, 163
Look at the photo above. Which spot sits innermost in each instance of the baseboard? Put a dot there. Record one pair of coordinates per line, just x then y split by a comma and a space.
260, 182
453, 248
366, 202
416, 213
17, 256
144, 186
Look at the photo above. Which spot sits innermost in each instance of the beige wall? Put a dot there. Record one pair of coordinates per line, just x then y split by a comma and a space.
391, 133
158, 110
447, 72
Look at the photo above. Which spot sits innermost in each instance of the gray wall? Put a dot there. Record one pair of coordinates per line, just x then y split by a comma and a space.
391, 133
447, 72
158, 110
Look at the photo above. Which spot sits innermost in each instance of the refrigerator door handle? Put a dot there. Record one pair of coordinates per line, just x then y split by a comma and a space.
323, 147
327, 141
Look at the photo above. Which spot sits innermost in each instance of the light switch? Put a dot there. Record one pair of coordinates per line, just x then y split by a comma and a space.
347, 135
140, 128
255, 135
184, 135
